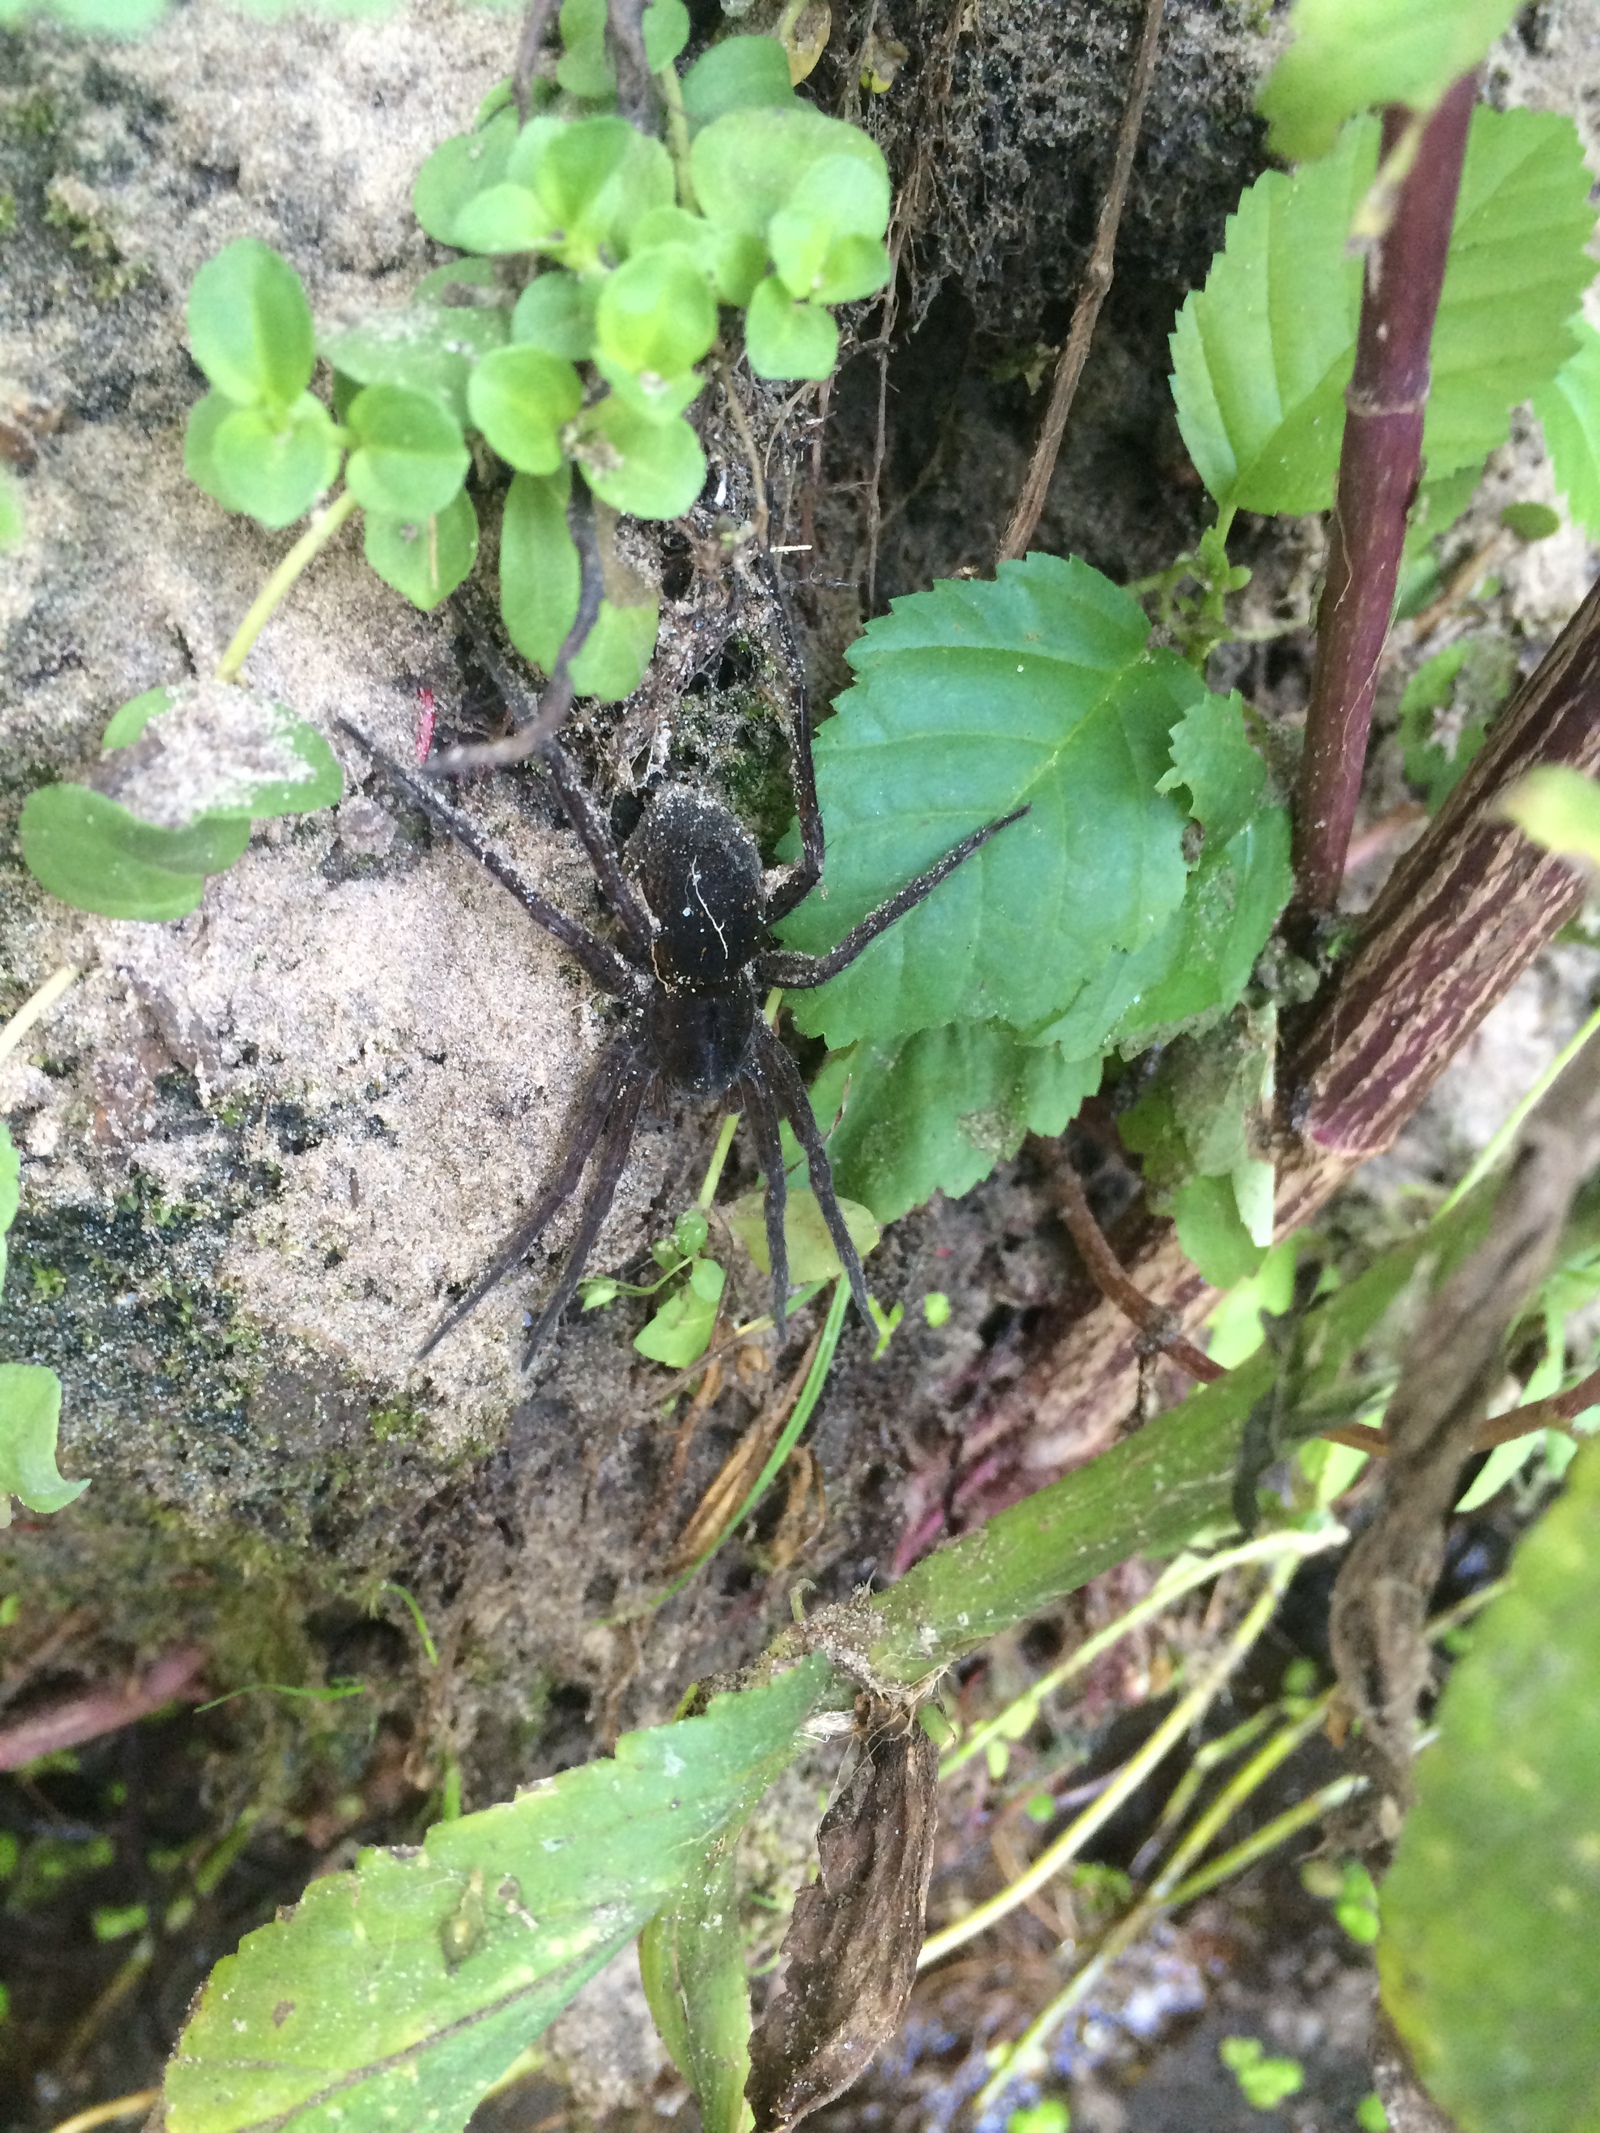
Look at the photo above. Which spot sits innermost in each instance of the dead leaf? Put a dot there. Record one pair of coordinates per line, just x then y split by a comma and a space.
739, 1471
805, 1510
850, 1955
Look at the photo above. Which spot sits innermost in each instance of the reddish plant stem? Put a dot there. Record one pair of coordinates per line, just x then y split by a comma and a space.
1159, 1328
176, 1674
1378, 470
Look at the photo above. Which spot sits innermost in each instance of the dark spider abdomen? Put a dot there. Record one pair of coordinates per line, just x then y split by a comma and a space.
698, 869
698, 1040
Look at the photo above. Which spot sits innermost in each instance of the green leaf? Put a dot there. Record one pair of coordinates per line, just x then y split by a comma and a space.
1446, 709
539, 580
584, 68
1355, 55
1263, 353
250, 325
273, 465
30, 1418
505, 218
10, 1182
1212, 1232
461, 168
732, 260
747, 164
595, 179
657, 313
666, 31
410, 457
1569, 410
812, 1256
970, 700
97, 856
783, 339
397, 1994
680, 1332
635, 463
736, 75
429, 348
425, 559
656, 399
1559, 808
11, 520
1530, 521
556, 313
520, 397
1213, 758
129, 720
1502, 1850
936, 1111
826, 243
691, 1957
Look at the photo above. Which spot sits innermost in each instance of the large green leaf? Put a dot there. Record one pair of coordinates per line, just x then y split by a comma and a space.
691, 1956
1353, 55
1263, 353
970, 700
935, 1112
1569, 409
397, 1994
30, 1416
1489, 1958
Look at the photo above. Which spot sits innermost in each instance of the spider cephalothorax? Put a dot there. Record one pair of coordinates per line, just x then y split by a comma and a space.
694, 907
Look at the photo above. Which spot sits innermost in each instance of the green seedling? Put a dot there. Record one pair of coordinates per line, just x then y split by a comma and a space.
1264, 2083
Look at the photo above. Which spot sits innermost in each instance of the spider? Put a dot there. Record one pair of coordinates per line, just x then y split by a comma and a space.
693, 905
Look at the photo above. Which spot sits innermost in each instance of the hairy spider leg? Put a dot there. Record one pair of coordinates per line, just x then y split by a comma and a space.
595, 1115
795, 1104
782, 966
609, 1165
589, 820
609, 970
789, 886
757, 1107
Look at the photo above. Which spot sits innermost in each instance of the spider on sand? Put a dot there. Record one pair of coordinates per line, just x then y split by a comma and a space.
693, 905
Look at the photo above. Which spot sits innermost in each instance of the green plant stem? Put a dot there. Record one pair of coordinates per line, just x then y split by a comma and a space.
304, 552
1500, 1147
1132, 1775
1186, 1575
677, 136
36, 1007
1266, 1839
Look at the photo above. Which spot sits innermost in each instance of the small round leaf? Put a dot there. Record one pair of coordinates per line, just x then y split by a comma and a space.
656, 313
426, 559
97, 856
584, 68
784, 339
653, 469
250, 325
732, 260
276, 466
657, 399
735, 75
411, 458
458, 170
595, 180
556, 312
666, 31
429, 347
748, 164
129, 720
503, 218
520, 397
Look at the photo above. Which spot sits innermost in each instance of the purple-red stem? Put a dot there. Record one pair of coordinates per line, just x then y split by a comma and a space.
68, 1724
1378, 472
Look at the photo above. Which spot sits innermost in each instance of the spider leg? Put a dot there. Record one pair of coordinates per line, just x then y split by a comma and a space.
594, 1114
781, 966
614, 1146
608, 969
757, 1106
584, 812
789, 1091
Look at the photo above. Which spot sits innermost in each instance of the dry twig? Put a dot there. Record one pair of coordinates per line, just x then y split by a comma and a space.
1156, 1327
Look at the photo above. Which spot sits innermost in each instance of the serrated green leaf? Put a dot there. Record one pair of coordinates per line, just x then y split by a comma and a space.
1559, 808
461, 168
97, 856
1502, 1850
1212, 758
520, 397
812, 1256
425, 559
410, 458
936, 1111
1446, 708
397, 1994
129, 720
738, 74
747, 164
250, 325
680, 1331
638, 463
30, 1419
429, 348
657, 313
970, 700
1568, 409
785, 339
691, 1958
275, 465
539, 581
1262, 354
1349, 56
556, 313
